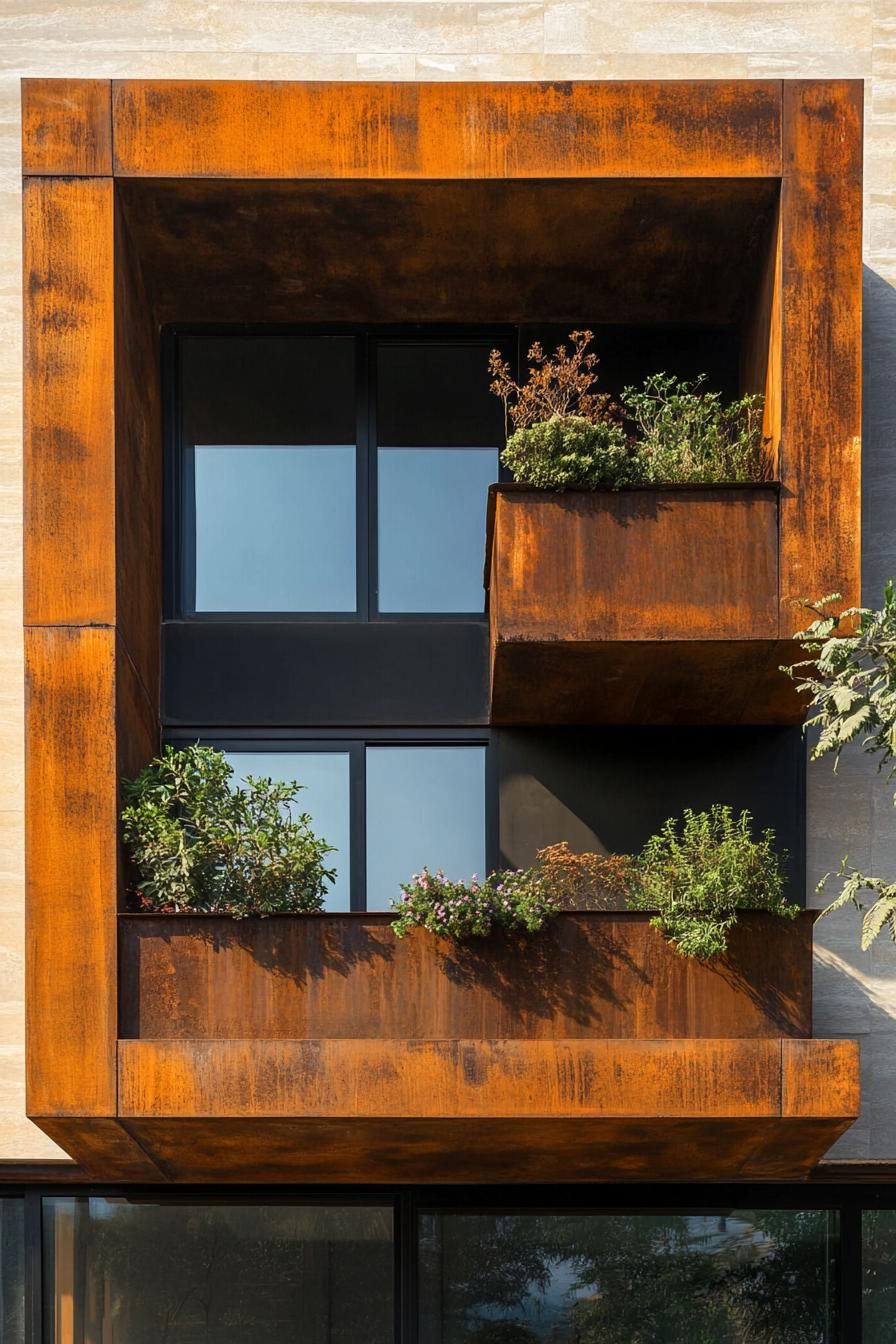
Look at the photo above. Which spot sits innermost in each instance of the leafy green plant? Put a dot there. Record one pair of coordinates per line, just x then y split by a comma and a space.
699, 871
562, 434
686, 434
850, 676
572, 454
504, 900
201, 845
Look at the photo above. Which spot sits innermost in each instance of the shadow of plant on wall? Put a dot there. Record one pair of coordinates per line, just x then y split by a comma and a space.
540, 979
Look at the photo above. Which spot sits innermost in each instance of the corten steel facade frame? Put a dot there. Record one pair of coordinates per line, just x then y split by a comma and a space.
93, 580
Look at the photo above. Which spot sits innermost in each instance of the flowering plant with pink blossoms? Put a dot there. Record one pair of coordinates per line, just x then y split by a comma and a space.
514, 899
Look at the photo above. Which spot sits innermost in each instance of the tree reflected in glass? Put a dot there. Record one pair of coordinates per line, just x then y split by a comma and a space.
742, 1277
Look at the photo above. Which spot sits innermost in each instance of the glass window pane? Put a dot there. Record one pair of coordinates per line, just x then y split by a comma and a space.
435, 394
125, 1273
274, 527
425, 807
431, 527
721, 1278
879, 1271
253, 388
12, 1271
325, 777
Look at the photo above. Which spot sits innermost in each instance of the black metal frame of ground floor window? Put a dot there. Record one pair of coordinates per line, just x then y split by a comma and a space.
848, 1201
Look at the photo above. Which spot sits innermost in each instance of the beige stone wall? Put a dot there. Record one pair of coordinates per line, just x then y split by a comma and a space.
467, 39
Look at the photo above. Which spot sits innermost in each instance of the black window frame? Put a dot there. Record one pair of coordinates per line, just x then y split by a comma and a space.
407, 1202
179, 524
354, 742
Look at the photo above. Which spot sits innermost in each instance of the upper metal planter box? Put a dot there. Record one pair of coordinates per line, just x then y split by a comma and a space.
637, 606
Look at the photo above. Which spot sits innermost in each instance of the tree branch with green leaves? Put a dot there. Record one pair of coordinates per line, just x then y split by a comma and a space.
850, 676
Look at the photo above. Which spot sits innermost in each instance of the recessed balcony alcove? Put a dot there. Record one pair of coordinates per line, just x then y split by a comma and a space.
718, 217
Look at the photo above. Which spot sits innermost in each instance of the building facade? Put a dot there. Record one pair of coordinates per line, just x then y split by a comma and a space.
201, 258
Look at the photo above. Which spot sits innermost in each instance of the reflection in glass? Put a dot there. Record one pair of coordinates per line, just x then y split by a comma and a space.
274, 528
879, 1275
425, 807
431, 527
741, 1277
12, 1271
120, 1273
325, 796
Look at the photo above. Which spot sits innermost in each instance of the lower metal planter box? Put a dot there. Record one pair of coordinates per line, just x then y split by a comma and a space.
594, 974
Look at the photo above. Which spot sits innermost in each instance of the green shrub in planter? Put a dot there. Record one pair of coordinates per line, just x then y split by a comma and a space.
698, 872
200, 845
683, 434
572, 454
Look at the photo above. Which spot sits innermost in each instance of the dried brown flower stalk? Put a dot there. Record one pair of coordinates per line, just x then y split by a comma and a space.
585, 881
559, 386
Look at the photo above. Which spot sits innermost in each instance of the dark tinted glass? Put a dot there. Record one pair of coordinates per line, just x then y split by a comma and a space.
739, 1277
143, 1273
267, 389
12, 1271
435, 394
879, 1275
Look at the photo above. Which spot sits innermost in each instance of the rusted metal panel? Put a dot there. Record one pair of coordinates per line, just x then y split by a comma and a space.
494, 1151
71, 846
69, 402
636, 251
681, 682
638, 606
675, 649
475, 1111
440, 1079
671, 564
709, 128
138, 465
821, 344
67, 127
587, 975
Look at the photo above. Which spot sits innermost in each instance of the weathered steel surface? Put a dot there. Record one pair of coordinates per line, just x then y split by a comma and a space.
640, 606
69, 402
821, 344
94, 298
622, 250
710, 128
67, 127
587, 975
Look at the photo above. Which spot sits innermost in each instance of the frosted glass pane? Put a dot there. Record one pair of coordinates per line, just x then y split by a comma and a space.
425, 807
275, 528
325, 796
431, 521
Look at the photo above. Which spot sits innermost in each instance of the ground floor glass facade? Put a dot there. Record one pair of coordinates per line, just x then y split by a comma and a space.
84, 1267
